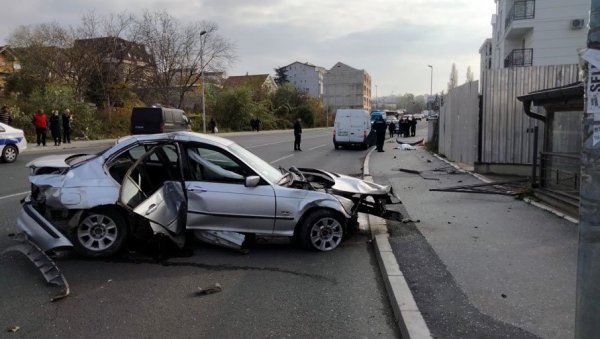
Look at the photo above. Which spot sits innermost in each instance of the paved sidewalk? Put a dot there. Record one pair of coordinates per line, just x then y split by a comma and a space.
478, 265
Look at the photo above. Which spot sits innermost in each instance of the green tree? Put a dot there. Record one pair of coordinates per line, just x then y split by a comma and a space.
281, 76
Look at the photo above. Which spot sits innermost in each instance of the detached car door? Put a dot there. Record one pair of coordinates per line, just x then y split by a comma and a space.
218, 197
153, 189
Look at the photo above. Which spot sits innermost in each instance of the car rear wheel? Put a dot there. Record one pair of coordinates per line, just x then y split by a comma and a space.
100, 233
322, 230
9, 153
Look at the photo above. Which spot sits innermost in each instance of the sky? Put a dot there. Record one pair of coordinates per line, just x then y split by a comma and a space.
393, 40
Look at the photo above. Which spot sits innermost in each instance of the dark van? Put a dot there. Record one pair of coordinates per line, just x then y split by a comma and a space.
152, 120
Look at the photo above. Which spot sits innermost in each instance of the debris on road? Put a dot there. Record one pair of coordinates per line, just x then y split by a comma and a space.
227, 239
511, 187
12, 329
43, 262
215, 288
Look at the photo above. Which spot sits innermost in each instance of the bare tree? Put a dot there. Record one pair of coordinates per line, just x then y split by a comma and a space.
108, 60
470, 77
453, 82
181, 52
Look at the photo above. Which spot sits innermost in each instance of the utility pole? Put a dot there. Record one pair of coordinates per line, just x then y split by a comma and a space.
202, 41
587, 315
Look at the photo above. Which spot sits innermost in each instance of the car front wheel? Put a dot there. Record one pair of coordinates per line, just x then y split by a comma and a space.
100, 233
9, 153
323, 231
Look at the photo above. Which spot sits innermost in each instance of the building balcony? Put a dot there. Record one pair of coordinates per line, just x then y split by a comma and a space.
519, 58
518, 19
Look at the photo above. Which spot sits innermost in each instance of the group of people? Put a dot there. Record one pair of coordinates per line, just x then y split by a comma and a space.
57, 124
405, 127
255, 124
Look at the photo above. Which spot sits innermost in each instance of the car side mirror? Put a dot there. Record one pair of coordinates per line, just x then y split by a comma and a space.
252, 181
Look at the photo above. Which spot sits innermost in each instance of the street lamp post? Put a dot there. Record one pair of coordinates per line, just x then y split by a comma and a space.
431, 81
376, 98
202, 40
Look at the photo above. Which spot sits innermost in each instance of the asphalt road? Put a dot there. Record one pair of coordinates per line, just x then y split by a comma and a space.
277, 290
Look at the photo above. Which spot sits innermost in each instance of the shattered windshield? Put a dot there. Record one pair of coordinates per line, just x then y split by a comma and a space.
263, 168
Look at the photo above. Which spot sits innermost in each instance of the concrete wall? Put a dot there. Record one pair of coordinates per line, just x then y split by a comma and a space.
458, 124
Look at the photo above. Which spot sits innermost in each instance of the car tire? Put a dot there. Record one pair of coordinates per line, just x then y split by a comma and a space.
100, 233
10, 153
336, 146
322, 230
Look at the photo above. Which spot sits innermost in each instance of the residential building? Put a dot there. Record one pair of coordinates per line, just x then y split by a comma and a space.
9, 64
306, 78
536, 33
262, 82
120, 59
347, 87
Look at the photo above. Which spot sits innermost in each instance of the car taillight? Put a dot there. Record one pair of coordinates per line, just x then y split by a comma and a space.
365, 133
334, 132
162, 127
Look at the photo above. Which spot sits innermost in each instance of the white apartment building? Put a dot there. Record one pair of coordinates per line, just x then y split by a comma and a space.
347, 87
536, 33
306, 78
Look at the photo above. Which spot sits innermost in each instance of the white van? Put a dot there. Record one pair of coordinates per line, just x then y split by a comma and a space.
351, 127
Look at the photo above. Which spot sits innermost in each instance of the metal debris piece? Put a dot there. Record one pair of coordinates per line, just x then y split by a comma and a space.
226, 239
216, 288
13, 329
511, 187
43, 262
409, 143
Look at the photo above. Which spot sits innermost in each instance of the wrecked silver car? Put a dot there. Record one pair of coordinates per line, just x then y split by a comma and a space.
180, 182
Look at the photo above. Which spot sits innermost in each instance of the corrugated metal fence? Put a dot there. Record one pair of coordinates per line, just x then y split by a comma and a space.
504, 124
458, 124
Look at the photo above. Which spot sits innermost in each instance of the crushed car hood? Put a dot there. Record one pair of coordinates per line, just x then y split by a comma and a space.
348, 184
56, 161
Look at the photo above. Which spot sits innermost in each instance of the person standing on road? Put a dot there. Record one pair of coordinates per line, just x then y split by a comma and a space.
380, 128
392, 128
297, 135
212, 126
55, 122
41, 126
413, 126
5, 117
67, 120
257, 122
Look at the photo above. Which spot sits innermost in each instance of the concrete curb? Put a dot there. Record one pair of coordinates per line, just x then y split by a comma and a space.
406, 312
539, 205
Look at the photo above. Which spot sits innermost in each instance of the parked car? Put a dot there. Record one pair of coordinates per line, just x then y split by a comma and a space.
170, 183
351, 127
432, 115
418, 116
151, 120
12, 142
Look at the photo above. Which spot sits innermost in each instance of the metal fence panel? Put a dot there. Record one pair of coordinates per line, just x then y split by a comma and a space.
458, 124
504, 124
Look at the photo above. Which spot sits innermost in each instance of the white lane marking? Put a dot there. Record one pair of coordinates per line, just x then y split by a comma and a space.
282, 158
317, 147
282, 142
13, 195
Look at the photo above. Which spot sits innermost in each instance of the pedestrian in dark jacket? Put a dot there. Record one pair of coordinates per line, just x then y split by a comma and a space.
413, 126
67, 120
212, 126
257, 123
297, 135
5, 117
380, 128
41, 126
55, 123
392, 128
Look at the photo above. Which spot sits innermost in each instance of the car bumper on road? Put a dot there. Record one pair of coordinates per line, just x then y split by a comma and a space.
39, 230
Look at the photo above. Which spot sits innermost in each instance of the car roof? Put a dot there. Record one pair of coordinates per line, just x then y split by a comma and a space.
175, 136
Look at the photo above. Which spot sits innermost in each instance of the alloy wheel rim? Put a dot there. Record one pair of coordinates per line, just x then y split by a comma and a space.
326, 234
97, 232
10, 154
